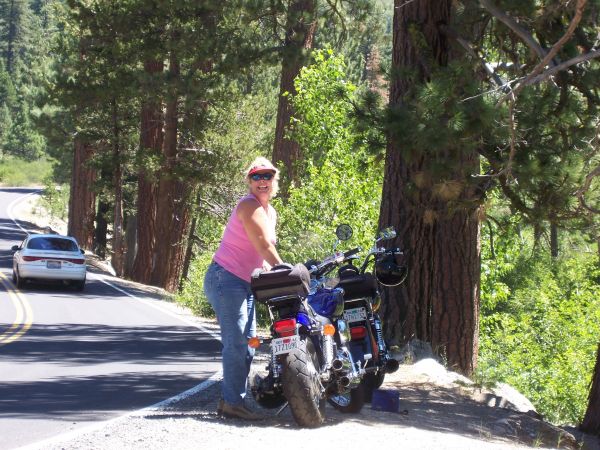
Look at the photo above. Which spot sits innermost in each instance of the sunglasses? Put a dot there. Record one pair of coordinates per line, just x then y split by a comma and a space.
261, 176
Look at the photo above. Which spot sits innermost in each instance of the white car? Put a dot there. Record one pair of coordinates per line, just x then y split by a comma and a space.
49, 257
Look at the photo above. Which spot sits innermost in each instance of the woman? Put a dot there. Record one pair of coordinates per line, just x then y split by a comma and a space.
248, 242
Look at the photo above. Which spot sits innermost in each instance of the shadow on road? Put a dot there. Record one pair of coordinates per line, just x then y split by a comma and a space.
172, 355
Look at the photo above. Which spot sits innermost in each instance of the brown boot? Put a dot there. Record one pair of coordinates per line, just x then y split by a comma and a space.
239, 412
220, 407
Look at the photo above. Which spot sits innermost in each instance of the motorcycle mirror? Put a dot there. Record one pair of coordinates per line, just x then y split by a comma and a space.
343, 232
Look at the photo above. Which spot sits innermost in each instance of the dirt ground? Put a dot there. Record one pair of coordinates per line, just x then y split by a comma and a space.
432, 400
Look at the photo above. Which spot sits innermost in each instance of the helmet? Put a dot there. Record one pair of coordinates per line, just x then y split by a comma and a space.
389, 271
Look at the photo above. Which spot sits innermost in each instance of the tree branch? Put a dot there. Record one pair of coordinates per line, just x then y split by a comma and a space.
571, 62
553, 51
514, 26
580, 194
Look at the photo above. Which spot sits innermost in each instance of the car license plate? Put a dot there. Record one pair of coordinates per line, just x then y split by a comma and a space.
355, 314
53, 264
284, 345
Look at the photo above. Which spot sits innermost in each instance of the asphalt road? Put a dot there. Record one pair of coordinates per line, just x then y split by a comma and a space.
69, 359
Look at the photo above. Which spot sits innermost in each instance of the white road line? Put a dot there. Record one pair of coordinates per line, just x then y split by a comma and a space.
56, 440
12, 205
140, 412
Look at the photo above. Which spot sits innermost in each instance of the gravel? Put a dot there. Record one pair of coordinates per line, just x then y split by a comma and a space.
438, 409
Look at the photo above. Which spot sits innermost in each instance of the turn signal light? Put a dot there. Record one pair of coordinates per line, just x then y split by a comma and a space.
254, 342
357, 333
328, 329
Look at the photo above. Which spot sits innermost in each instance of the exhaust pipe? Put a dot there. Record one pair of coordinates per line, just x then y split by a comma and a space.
341, 364
344, 381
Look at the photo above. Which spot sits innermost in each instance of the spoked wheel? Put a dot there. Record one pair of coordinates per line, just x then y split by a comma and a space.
350, 402
264, 393
302, 386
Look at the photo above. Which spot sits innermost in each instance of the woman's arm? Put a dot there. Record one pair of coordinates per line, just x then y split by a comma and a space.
255, 221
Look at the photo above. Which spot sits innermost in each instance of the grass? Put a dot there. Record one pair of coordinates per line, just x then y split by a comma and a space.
16, 172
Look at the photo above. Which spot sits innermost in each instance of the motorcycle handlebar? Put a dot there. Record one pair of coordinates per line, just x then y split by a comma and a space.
351, 252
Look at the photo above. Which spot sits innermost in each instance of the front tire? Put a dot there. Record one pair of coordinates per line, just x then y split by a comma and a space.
370, 382
302, 386
263, 392
351, 402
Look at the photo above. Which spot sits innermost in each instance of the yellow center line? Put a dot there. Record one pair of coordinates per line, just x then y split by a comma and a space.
23, 317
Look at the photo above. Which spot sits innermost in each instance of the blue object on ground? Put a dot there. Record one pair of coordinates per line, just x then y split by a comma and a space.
386, 400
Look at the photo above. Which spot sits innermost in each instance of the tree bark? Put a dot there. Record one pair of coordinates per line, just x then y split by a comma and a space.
117, 259
439, 303
172, 213
300, 29
151, 141
82, 198
553, 240
591, 420
100, 241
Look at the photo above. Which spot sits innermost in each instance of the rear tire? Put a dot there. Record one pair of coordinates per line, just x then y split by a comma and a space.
351, 402
372, 381
80, 285
302, 386
20, 282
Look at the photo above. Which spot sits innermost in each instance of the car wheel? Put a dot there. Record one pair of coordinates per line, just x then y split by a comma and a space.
80, 285
19, 281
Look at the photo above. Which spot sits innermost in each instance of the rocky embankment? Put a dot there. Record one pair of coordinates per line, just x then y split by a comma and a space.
438, 409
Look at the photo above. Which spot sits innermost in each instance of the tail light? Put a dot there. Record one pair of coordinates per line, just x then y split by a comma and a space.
32, 258
286, 327
43, 258
75, 260
357, 333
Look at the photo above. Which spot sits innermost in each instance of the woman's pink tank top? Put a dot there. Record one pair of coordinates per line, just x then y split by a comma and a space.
236, 254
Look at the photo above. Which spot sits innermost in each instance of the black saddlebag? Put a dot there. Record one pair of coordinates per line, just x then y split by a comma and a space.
280, 281
358, 286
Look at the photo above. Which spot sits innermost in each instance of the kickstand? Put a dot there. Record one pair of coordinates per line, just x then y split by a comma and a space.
280, 410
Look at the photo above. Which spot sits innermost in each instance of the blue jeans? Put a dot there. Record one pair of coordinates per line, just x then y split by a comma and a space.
233, 303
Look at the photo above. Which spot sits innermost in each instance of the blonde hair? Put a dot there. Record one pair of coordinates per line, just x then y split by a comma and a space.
268, 165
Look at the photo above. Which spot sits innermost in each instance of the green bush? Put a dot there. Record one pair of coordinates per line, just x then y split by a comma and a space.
340, 183
540, 322
17, 172
55, 199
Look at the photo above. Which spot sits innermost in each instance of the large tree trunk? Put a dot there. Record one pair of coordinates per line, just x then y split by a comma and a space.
151, 141
100, 235
118, 248
439, 302
300, 30
591, 421
82, 198
172, 213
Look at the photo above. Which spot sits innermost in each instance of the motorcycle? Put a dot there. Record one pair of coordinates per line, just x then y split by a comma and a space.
310, 361
361, 304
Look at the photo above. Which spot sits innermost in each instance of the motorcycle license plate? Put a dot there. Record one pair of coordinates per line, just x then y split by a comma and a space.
355, 315
284, 345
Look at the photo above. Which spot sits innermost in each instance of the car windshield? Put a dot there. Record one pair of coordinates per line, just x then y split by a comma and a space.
52, 243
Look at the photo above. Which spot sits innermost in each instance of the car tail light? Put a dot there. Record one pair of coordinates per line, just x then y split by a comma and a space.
32, 258
286, 327
357, 333
44, 258
75, 260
